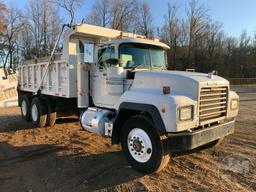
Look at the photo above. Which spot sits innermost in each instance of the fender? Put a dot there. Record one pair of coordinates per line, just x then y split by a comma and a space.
137, 108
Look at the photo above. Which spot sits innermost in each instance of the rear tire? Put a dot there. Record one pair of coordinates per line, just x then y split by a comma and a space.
38, 112
25, 108
144, 149
51, 113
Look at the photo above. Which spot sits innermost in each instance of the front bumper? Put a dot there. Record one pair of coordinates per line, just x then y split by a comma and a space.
190, 140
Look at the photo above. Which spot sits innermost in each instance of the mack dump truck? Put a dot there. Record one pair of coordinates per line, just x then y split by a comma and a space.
118, 84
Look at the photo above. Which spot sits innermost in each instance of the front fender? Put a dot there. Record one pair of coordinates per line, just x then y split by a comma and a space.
150, 109
165, 105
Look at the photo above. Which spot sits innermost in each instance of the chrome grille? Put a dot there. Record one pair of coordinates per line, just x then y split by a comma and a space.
213, 104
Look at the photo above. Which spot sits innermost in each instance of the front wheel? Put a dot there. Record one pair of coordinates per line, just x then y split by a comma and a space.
142, 146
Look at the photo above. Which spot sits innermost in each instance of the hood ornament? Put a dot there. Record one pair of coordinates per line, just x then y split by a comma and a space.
210, 75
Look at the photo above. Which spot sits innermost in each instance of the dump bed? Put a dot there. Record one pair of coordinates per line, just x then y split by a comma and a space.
58, 80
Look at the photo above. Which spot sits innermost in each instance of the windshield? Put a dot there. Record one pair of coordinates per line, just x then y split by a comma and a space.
142, 56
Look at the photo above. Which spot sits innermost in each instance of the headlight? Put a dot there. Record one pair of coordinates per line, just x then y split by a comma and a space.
186, 113
234, 104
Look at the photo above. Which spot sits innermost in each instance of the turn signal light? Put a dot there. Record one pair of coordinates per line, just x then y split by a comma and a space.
234, 104
166, 90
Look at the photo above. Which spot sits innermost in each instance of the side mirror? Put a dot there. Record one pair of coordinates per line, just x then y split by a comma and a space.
113, 62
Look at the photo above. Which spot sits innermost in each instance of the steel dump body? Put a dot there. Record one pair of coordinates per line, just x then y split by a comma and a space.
56, 81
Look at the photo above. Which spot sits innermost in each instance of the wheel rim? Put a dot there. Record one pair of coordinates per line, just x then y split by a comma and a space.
34, 113
139, 145
24, 108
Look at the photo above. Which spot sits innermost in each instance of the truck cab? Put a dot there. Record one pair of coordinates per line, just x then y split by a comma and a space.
119, 84
110, 81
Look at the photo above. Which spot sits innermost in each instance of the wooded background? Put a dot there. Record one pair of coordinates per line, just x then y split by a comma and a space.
197, 41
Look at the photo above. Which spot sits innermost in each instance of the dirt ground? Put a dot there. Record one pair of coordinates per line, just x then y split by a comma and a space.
65, 158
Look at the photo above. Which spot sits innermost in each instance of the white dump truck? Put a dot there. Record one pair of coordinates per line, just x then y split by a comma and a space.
118, 83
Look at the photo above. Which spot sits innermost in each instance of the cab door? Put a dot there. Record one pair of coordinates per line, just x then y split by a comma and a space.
100, 94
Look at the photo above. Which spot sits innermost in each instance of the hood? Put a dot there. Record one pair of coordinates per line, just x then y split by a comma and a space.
181, 83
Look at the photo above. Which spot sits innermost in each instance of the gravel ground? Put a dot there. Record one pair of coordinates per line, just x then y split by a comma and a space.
65, 158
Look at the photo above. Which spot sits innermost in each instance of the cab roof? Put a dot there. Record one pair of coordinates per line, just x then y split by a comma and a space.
137, 40
102, 34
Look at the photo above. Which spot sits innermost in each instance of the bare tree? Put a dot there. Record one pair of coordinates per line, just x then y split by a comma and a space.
195, 41
100, 13
3, 21
54, 29
123, 14
243, 53
45, 25
51, 25
42, 25
3, 11
115, 14
213, 41
144, 24
26, 40
183, 38
13, 28
69, 6
230, 43
35, 24
197, 23
254, 41
171, 33
244, 40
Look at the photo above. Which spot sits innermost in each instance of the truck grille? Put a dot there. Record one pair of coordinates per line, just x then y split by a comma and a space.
213, 104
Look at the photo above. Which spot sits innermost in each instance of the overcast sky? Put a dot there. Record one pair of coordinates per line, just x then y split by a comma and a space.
235, 15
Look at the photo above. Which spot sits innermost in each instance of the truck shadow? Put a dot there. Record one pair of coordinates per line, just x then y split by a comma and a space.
10, 123
193, 151
52, 168
67, 120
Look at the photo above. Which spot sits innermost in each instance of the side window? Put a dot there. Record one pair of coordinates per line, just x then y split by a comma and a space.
88, 52
104, 55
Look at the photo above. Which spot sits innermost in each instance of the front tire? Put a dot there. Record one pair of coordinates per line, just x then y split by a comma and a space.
144, 149
38, 112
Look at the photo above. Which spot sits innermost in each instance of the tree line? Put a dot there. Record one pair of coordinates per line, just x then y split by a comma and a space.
31, 32
196, 41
